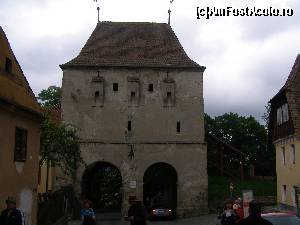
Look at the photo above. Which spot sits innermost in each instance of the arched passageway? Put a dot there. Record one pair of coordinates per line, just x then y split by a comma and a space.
102, 184
160, 186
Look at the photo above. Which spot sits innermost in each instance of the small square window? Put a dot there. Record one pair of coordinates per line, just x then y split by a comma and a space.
169, 94
132, 94
20, 144
129, 126
8, 65
150, 88
115, 86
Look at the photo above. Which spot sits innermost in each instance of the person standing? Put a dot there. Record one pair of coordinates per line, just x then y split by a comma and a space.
238, 209
137, 214
228, 216
87, 214
254, 215
11, 215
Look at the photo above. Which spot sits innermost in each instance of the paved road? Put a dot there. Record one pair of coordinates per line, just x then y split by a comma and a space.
202, 220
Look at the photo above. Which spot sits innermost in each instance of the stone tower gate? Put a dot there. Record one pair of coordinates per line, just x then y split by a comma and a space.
137, 99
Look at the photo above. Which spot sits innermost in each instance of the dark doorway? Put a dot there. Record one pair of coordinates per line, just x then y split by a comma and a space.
101, 184
160, 186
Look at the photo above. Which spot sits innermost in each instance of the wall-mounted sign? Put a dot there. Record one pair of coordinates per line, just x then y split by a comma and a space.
132, 184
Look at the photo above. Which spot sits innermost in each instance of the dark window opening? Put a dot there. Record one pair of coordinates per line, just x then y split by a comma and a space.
169, 94
129, 126
96, 97
115, 86
20, 144
132, 94
178, 127
150, 88
8, 65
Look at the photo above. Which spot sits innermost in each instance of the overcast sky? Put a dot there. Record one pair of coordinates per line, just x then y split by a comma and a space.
248, 59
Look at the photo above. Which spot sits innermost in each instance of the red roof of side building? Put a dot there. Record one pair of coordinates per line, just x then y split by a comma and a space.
133, 44
291, 89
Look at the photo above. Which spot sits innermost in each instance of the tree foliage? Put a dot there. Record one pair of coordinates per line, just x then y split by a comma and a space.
59, 142
60, 146
50, 97
245, 134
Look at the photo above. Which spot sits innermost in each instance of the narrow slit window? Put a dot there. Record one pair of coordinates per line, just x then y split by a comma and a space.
283, 156
283, 193
132, 94
293, 154
150, 88
96, 97
178, 128
115, 87
129, 127
8, 65
169, 94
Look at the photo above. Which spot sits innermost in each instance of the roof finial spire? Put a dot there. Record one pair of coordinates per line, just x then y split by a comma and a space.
98, 9
169, 11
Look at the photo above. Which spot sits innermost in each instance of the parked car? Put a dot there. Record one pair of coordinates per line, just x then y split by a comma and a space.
282, 218
161, 212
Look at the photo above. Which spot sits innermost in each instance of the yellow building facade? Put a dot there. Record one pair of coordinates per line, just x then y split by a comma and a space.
284, 133
20, 119
288, 169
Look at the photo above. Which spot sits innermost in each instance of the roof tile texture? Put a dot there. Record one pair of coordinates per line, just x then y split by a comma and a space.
133, 44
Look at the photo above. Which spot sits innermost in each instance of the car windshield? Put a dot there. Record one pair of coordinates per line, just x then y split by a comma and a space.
283, 220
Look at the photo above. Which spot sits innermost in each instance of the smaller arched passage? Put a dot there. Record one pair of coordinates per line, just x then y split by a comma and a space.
160, 186
102, 185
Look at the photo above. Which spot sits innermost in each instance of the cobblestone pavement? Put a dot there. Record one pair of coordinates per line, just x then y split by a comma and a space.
202, 220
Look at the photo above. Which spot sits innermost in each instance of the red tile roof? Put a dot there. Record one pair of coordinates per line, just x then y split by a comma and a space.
133, 44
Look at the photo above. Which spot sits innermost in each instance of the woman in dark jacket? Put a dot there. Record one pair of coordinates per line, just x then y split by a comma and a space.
228, 216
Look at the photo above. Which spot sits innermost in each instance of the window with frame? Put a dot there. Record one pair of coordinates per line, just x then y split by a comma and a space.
20, 144
129, 126
178, 127
283, 156
283, 193
132, 94
150, 88
115, 87
293, 154
97, 89
293, 195
133, 90
282, 114
168, 93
